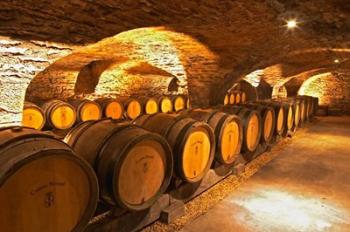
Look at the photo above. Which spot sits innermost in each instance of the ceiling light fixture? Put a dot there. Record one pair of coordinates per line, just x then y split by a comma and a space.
292, 24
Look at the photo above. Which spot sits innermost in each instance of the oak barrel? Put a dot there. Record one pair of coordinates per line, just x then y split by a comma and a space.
280, 115
59, 114
179, 103
238, 97
268, 118
232, 98
228, 132
87, 110
165, 104
296, 112
243, 97
315, 100
33, 116
111, 108
193, 143
293, 112
302, 110
133, 166
44, 186
289, 119
133, 107
149, 105
226, 99
252, 128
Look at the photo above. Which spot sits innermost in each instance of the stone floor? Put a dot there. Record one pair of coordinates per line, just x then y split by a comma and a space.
305, 188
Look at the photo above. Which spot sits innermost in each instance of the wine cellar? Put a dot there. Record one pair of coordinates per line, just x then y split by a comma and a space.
174, 116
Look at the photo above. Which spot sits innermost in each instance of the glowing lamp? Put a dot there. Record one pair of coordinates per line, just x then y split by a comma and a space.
291, 24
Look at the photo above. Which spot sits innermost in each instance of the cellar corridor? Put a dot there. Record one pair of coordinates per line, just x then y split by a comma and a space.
305, 188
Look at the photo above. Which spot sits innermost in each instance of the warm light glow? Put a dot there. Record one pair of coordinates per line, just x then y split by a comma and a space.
275, 210
306, 90
292, 24
254, 78
336, 61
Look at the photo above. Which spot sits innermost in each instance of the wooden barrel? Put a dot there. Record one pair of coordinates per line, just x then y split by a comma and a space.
268, 118
179, 103
280, 115
111, 108
289, 119
232, 98
134, 166
243, 97
228, 132
302, 110
87, 110
238, 97
133, 107
149, 105
310, 107
296, 112
316, 104
252, 128
44, 186
295, 105
193, 143
33, 116
226, 99
59, 115
165, 104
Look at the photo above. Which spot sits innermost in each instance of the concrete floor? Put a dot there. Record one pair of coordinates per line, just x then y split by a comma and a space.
305, 188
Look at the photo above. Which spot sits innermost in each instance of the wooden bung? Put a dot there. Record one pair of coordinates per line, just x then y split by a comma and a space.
44, 186
133, 166
33, 116
228, 132
111, 108
193, 143
59, 114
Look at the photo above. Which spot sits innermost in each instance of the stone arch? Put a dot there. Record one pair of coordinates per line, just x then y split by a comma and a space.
136, 61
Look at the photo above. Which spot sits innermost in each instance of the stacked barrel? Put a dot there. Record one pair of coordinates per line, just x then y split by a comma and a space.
235, 97
44, 185
63, 115
126, 152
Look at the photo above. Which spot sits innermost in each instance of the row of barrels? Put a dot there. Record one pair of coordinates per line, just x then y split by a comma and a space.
51, 185
235, 97
56, 114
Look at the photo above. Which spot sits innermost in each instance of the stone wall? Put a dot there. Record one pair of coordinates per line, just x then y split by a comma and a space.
49, 49
332, 89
